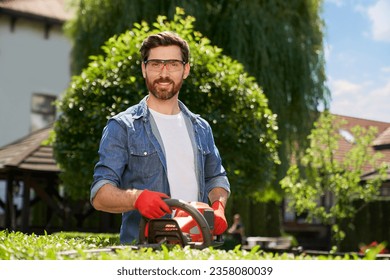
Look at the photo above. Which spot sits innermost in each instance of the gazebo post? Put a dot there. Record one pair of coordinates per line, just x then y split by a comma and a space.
26, 203
10, 221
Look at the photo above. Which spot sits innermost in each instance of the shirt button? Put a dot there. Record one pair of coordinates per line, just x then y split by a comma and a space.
145, 153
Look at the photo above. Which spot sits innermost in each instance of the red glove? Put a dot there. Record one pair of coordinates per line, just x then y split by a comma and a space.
151, 205
220, 223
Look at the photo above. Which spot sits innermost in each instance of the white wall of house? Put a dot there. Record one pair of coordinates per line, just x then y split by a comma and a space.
29, 64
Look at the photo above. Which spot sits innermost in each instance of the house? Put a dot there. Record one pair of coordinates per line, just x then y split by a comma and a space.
34, 64
380, 144
34, 67
315, 235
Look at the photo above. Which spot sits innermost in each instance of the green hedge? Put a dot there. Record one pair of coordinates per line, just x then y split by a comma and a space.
371, 224
89, 246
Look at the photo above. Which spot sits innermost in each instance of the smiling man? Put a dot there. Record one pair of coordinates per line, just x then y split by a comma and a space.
159, 148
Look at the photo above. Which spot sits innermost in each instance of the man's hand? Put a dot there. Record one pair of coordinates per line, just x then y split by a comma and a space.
220, 223
151, 204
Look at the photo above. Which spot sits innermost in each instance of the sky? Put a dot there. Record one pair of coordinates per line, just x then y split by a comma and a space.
357, 55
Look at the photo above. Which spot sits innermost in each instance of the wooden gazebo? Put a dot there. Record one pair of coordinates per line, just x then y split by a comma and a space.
27, 166
31, 172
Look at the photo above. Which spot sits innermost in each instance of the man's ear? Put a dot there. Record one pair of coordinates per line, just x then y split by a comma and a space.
143, 70
186, 71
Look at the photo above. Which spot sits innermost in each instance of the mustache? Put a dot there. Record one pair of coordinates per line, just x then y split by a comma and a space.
163, 80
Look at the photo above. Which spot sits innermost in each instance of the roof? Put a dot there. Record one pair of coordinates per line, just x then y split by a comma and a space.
29, 154
54, 11
383, 140
380, 144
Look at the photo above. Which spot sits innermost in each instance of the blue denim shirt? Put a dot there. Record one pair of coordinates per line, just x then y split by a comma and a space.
132, 156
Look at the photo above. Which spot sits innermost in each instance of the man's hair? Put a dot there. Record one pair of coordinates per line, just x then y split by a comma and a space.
165, 38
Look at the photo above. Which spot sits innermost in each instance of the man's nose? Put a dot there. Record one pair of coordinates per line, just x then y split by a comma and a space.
164, 70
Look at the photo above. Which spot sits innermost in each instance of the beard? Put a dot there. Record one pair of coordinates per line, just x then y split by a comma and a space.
164, 92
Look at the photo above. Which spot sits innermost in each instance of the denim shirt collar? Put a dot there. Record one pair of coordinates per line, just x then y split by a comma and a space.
143, 112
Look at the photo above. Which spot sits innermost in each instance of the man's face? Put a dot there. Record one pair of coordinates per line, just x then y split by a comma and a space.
163, 83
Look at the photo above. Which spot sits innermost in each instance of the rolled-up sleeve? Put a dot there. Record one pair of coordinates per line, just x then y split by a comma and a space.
113, 157
215, 174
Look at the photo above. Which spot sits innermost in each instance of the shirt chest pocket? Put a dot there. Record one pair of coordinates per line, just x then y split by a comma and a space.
203, 145
144, 161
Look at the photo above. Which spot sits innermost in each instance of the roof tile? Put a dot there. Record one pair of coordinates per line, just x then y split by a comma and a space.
51, 9
29, 153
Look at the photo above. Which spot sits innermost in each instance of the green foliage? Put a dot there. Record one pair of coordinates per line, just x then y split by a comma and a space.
218, 88
20, 246
89, 246
320, 175
280, 44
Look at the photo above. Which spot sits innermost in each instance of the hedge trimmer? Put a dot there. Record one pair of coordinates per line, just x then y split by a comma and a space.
192, 225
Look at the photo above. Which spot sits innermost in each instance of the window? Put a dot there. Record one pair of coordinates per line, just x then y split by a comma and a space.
43, 110
385, 189
347, 136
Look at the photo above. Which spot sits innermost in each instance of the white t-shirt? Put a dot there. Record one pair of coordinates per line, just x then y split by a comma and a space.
179, 155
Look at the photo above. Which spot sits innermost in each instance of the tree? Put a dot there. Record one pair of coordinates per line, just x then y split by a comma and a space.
279, 42
218, 88
319, 174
